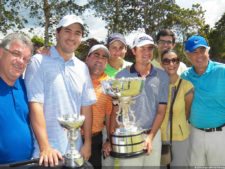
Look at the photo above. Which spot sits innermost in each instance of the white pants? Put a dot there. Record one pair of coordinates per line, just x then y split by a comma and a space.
207, 148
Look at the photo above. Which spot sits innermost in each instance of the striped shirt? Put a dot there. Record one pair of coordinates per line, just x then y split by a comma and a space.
102, 107
63, 87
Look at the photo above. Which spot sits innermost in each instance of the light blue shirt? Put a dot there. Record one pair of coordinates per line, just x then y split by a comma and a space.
63, 87
208, 106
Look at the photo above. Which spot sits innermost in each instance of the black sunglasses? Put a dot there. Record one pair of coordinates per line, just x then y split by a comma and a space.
167, 61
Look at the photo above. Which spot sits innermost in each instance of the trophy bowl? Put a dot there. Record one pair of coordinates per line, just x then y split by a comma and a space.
128, 140
123, 87
72, 122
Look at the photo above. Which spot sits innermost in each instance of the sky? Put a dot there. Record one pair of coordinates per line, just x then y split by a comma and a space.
214, 8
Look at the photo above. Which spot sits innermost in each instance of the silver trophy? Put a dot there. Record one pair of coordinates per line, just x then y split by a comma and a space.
72, 122
128, 139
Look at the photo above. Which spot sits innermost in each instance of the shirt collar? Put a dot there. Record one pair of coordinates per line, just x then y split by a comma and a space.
4, 85
151, 72
208, 69
55, 54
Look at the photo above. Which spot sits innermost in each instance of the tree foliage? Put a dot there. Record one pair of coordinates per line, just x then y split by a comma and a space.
150, 15
45, 13
10, 18
217, 40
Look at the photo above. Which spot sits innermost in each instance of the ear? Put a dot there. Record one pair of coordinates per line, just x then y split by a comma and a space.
1, 52
174, 45
188, 56
86, 59
56, 35
133, 51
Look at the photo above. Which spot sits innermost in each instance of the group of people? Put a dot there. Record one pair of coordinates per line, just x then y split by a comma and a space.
190, 101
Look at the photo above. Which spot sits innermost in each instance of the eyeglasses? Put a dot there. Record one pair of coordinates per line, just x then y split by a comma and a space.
167, 61
18, 55
168, 42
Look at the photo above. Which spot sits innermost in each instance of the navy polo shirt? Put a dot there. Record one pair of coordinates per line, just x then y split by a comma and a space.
16, 141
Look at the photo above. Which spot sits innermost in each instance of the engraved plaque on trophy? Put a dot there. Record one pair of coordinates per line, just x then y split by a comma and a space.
128, 140
72, 122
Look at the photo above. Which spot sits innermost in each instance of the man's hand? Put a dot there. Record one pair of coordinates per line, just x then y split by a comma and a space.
106, 148
86, 151
50, 157
43, 50
148, 144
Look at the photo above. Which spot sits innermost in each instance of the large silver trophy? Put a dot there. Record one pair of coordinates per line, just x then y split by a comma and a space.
128, 139
72, 122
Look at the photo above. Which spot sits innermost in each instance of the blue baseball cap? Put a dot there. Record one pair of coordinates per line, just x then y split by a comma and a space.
195, 42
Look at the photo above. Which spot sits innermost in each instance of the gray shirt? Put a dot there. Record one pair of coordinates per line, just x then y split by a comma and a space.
155, 92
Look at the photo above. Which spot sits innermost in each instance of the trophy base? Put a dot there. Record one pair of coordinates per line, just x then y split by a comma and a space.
127, 155
86, 165
73, 160
126, 144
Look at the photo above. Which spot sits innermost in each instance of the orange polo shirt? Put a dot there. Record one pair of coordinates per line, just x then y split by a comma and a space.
102, 107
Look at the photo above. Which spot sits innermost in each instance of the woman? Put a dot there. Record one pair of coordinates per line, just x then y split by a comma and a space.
181, 109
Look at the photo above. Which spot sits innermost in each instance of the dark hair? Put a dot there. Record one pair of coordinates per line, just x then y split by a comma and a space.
167, 52
165, 32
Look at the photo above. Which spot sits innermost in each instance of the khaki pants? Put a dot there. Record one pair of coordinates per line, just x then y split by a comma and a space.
207, 148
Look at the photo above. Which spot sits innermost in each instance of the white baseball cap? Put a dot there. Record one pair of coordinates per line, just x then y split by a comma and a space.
99, 46
143, 39
70, 19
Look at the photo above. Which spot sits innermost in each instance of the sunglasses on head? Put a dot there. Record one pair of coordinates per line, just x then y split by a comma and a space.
167, 61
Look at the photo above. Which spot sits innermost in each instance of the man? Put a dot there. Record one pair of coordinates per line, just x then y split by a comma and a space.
150, 106
16, 141
60, 84
96, 61
117, 47
166, 41
207, 116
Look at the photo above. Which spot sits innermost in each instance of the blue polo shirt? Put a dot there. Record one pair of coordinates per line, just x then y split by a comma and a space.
208, 106
16, 143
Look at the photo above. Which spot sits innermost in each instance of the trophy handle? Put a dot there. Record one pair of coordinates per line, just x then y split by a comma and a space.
118, 113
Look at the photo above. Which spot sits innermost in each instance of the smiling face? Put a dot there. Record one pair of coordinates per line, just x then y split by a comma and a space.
13, 61
117, 50
199, 59
165, 43
96, 62
143, 54
170, 63
69, 39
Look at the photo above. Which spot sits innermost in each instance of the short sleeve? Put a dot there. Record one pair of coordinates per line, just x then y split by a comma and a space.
34, 81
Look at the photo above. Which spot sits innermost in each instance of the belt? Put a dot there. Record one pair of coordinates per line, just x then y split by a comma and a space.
212, 129
96, 133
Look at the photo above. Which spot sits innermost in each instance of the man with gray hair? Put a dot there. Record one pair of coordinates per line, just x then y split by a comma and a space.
207, 117
16, 141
